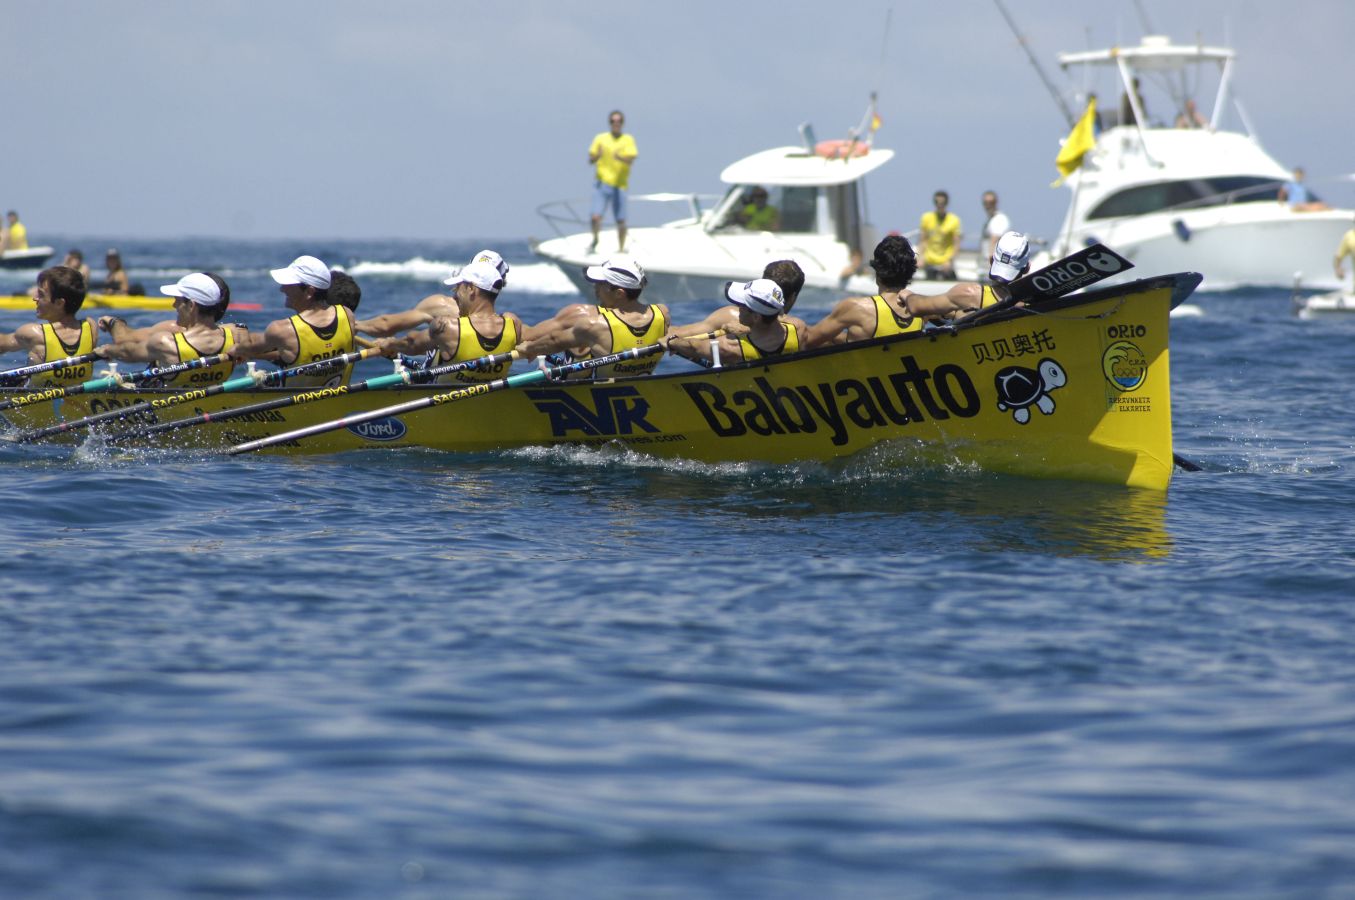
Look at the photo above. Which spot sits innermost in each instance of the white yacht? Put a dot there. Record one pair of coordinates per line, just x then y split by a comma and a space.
1198, 198
818, 193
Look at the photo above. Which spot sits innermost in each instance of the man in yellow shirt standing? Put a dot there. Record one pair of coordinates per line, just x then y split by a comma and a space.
16, 235
940, 232
612, 152
1344, 249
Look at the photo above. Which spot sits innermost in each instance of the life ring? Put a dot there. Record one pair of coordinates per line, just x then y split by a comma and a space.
840, 149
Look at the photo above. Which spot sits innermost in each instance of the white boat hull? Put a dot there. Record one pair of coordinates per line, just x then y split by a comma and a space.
1336, 302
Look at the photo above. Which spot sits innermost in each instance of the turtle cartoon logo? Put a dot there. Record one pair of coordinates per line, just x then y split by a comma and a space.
1020, 388
1103, 262
1124, 366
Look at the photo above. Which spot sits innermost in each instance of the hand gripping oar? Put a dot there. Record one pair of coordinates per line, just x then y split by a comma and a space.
383, 381
475, 390
14, 376
108, 381
258, 379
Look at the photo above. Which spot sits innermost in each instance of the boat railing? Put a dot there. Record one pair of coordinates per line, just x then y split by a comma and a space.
567, 217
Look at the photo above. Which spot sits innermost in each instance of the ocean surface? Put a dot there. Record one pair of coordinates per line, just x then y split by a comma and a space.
576, 673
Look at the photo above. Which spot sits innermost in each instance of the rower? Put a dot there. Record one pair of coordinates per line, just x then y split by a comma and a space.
789, 277
1011, 260
478, 330
200, 301
59, 335
759, 305
894, 309
431, 307
317, 330
620, 321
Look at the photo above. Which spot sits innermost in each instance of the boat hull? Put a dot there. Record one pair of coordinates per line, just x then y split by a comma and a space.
32, 258
1077, 389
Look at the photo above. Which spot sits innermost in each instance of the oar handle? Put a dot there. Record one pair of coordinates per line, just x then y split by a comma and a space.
108, 381
37, 368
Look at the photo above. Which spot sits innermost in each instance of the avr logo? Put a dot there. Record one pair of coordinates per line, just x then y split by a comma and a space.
1124, 366
615, 411
387, 428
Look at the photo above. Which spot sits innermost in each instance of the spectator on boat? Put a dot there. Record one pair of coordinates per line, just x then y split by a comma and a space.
788, 276
200, 301
994, 226
940, 238
612, 152
619, 321
478, 329
1127, 115
894, 309
431, 307
58, 334
76, 260
756, 215
15, 236
1344, 249
765, 332
1190, 116
115, 282
1297, 195
317, 330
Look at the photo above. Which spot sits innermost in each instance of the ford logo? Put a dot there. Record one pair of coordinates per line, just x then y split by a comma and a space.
383, 429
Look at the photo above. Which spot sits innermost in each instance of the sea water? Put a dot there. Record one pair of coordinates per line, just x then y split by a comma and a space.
585, 673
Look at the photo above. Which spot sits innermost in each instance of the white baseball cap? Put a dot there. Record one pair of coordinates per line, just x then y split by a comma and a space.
198, 287
484, 256
481, 273
621, 271
1010, 256
304, 270
763, 296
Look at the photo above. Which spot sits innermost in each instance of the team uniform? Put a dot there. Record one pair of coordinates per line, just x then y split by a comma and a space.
790, 343
470, 344
626, 337
322, 343
55, 348
213, 374
887, 321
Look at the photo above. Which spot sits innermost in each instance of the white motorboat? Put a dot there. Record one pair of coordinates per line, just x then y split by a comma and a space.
818, 193
1188, 198
1325, 304
31, 258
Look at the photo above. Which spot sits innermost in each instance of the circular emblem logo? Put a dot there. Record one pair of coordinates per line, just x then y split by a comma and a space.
1124, 366
1103, 262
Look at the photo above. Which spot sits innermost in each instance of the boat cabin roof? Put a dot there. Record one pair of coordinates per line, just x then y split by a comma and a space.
1157, 52
797, 167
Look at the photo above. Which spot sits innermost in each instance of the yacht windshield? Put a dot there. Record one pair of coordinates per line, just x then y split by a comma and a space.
1193, 193
757, 207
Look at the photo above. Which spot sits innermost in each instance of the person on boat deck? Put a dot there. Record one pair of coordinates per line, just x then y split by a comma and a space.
318, 330
612, 152
59, 334
16, 235
1190, 116
1344, 249
895, 309
76, 260
994, 226
1297, 195
1127, 116
788, 276
200, 301
432, 307
479, 330
116, 280
620, 321
765, 333
940, 238
756, 215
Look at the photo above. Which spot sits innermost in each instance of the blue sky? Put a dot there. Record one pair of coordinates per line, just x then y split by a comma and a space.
457, 119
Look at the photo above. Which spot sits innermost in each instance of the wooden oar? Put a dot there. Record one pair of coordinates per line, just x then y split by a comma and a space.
259, 379
108, 381
16, 375
383, 381
476, 390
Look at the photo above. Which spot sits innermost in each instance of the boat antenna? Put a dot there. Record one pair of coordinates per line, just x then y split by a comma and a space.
1143, 17
871, 120
1025, 45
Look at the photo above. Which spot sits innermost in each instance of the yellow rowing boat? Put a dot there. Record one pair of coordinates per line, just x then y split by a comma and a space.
1076, 388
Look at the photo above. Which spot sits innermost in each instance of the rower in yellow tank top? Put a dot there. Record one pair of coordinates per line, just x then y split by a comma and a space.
887, 321
627, 337
470, 344
56, 348
317, 343
213, 374
789, 344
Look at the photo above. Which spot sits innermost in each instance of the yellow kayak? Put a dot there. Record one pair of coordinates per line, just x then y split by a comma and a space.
113, 301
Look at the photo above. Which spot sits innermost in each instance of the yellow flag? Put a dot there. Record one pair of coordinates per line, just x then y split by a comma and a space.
1081, 139
875, 122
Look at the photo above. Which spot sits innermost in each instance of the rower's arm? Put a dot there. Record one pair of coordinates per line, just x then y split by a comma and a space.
26, 337
9, 343
392, 323
275, 343
961, 298
568, 329
835, 327
712, 322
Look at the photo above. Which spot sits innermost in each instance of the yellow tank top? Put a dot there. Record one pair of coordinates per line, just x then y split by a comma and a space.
320, 344
988, 298
789, 344
624, 337
470, 344
55, 349
214, 374
887, 321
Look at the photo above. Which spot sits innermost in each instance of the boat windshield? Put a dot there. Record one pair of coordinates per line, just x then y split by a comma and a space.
1194, 193
757, 207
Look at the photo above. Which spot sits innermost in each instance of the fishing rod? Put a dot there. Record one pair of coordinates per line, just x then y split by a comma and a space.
405, 376
1025, 45
537, 375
